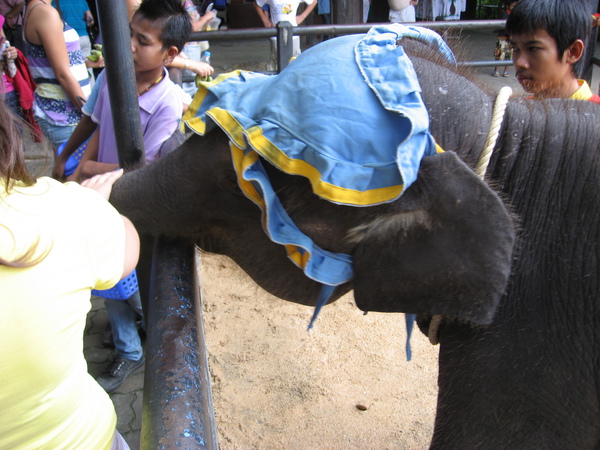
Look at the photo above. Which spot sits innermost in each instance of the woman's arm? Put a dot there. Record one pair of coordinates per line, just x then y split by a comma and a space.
15, 11
199, 24
198, 67
83, 131
300, 18
103, 185
89, 154
44, 27
264, 16
92, 168
132, 6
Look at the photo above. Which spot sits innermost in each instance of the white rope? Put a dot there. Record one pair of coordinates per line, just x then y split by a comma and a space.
480, 169
492, 137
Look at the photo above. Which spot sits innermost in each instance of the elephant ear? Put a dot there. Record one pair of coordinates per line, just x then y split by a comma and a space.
446, 247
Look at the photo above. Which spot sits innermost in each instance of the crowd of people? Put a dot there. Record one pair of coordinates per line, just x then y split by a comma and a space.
52, 255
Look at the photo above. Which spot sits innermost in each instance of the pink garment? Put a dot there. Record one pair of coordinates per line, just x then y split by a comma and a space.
8, 86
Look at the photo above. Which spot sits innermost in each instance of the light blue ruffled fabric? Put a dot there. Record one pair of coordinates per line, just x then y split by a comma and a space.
347, 114
349, 107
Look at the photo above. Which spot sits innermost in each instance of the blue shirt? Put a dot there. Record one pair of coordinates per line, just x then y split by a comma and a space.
73, 12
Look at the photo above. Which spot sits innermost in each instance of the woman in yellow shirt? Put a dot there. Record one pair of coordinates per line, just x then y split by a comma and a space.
51, 256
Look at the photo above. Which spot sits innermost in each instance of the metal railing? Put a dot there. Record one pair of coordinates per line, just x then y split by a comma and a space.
284, 30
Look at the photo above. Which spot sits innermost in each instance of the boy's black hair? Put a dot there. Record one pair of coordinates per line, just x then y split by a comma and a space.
171, 17
564, 20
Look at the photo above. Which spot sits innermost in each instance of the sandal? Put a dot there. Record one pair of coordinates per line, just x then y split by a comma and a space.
495, 73
506, 74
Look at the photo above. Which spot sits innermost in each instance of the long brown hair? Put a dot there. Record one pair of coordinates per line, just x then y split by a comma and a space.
13, 168
12, 160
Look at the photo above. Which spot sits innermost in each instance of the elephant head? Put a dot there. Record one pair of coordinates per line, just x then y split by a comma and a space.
448, 251
443, 248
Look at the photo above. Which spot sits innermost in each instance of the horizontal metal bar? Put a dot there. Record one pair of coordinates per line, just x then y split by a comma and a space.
338, 30
484, 63
177, 407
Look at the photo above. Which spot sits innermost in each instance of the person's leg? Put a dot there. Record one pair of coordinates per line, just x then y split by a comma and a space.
129, 356
507, 55
272, 63
497, 56
296, 50
326, 19
86, 45
56, 134
86, 49
122, 316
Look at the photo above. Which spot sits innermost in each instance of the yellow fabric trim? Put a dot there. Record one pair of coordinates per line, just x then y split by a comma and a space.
299, 258
438, 149
583, 93
230, 125
324, 190
189, 118
241, 161
278, 158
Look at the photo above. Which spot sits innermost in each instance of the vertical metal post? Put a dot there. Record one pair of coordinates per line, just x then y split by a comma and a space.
120, 77
285, 44
177, 410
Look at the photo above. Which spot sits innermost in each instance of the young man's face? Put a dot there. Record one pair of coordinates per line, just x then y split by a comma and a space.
147, 48
538, 67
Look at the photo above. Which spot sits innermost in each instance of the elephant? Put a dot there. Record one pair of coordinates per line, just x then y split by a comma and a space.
510, 263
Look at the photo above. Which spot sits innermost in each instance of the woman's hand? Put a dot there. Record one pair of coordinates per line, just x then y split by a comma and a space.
199, 24
103, 183
10, 53
95, 64
200, 68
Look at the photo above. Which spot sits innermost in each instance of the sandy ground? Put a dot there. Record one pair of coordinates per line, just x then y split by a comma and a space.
276, 385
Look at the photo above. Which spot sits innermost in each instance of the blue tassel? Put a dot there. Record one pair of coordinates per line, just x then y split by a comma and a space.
324, 296
410, 320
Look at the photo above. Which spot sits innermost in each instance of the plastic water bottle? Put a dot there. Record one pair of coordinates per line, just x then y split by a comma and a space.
205, 57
